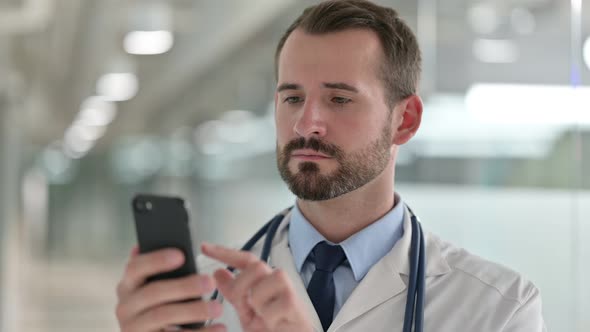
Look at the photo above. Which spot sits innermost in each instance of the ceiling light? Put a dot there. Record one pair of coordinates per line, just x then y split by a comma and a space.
529, 104
87, 133
495, 50
117, 86
523, 21
76, 147
96, 111
483, 18
148, 42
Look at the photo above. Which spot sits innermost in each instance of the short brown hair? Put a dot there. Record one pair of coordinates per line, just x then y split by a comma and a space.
401, 70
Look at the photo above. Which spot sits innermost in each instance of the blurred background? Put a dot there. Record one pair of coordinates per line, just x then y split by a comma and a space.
102, 99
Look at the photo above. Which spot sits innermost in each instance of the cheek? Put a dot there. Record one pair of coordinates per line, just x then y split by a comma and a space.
355, 135
284, 129
352, 131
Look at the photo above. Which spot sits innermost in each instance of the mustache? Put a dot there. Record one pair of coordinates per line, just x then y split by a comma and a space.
312, 144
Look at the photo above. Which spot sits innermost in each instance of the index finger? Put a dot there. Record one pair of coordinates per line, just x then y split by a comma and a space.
235, 258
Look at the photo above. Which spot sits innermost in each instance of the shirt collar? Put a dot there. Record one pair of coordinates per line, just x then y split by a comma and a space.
302, 237
362, 249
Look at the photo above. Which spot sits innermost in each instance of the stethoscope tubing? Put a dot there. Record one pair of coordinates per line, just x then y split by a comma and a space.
414, 311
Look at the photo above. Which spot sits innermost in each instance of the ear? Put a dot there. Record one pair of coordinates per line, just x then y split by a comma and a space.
410, 111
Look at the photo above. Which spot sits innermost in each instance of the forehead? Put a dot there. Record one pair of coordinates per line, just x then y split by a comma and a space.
348, 55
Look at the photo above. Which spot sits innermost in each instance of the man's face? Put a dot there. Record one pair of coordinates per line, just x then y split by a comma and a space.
334, 130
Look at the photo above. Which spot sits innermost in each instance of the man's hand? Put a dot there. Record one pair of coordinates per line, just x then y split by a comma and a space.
264, 298
155, 306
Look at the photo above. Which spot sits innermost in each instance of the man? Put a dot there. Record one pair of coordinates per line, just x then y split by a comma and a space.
347, 74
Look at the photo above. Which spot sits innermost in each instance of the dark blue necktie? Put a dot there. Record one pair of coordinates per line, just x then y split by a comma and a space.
321, 288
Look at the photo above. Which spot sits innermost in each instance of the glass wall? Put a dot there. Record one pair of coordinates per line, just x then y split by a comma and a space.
95, 109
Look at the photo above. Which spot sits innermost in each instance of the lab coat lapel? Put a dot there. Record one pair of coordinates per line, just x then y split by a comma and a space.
436, 264
382, 283
281, 257
384, 280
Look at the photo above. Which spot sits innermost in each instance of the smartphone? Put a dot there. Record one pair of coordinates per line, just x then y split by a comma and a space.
163, 222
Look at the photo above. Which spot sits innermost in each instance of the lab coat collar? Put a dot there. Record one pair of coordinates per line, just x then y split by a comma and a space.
281, 257
383, 281
436, 264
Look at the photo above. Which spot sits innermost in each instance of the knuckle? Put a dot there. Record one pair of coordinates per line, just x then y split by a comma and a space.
255, 296
289, 299
188, 286
196, 284
154, 289
285, 285
195, 310
284, 304
131, 263
158, 315
120, 290
251, 258
125, 328
199, 308
120, 312
281, 275
131, 270
270, 323
259, 267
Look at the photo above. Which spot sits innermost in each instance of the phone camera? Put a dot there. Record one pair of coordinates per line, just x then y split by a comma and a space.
143, 206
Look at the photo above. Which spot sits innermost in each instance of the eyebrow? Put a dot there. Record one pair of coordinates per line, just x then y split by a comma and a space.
341, 86
336, 85
289, 86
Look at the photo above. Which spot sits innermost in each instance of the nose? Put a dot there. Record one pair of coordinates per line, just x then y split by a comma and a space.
311, 121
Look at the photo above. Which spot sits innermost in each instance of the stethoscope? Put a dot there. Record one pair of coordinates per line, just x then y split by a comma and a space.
414, 313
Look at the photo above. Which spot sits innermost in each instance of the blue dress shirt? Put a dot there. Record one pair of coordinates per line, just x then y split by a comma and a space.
362, 249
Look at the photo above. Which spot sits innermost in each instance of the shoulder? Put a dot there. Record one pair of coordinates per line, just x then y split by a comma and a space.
486, 275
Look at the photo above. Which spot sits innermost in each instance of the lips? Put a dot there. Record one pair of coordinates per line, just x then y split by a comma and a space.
309, 155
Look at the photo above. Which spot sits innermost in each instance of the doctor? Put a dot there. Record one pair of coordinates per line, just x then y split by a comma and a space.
346, 100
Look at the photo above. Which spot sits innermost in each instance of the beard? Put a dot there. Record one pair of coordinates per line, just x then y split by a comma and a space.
354, 169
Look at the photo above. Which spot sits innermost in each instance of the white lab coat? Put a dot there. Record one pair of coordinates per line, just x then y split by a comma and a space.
463, 292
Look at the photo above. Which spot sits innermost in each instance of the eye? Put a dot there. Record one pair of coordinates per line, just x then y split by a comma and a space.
341, 100
292, 100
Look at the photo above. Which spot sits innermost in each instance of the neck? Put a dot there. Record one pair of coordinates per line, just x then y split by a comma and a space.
339, 218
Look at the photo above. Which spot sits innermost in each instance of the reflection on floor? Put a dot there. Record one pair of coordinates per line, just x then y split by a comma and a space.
59, 296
